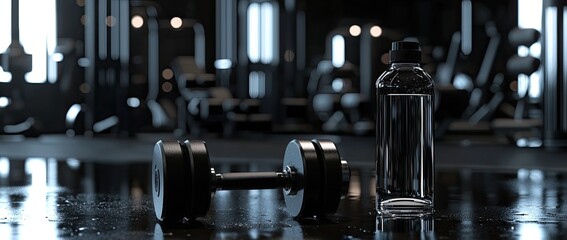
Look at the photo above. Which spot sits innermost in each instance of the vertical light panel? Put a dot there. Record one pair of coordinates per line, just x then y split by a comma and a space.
466, 27
32, 36
253, 29
551, 43
253, 79
102, 29
269, 32
262, 32
51, 39
220, 28
226, 34
113, 22
550, 67
153, 55
257, 84
338, 51
38, 35
534, 90
200, 59
124, 35
529, 16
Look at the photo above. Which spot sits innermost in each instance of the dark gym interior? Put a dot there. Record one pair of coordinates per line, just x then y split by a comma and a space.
87, 88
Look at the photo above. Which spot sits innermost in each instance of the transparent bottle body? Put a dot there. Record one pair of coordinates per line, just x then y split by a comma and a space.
404, 141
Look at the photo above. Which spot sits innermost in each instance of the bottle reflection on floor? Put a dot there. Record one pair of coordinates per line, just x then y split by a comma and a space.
409, 224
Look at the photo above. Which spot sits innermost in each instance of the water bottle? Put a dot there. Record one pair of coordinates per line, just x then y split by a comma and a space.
405, 165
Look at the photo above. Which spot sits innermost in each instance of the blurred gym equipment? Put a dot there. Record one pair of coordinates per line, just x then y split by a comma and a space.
470, 85
327, 85
205, 106
481, 105
341, 96
13, 117
107, 52
522, 129
122, 78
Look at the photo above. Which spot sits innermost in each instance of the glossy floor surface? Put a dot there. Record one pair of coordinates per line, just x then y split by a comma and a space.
514, 194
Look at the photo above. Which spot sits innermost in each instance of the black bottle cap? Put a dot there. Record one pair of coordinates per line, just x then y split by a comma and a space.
404, 51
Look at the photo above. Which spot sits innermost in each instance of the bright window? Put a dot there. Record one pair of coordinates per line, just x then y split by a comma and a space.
38, 35
529, 16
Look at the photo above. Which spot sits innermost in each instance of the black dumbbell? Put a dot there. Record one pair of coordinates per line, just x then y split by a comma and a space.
313, 179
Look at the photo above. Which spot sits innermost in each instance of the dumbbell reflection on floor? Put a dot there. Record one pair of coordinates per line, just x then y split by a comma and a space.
313, 179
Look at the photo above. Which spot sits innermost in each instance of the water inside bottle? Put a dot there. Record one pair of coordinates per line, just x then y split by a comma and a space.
405, 161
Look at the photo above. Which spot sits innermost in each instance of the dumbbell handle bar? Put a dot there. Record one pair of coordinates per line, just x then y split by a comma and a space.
253, 180
265, 180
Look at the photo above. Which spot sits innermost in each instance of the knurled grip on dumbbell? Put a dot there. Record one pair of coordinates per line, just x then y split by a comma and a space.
313, 179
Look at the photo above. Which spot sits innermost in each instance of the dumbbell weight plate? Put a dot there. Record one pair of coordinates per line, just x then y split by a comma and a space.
305, 200
199, 192
332, 174
168, 177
